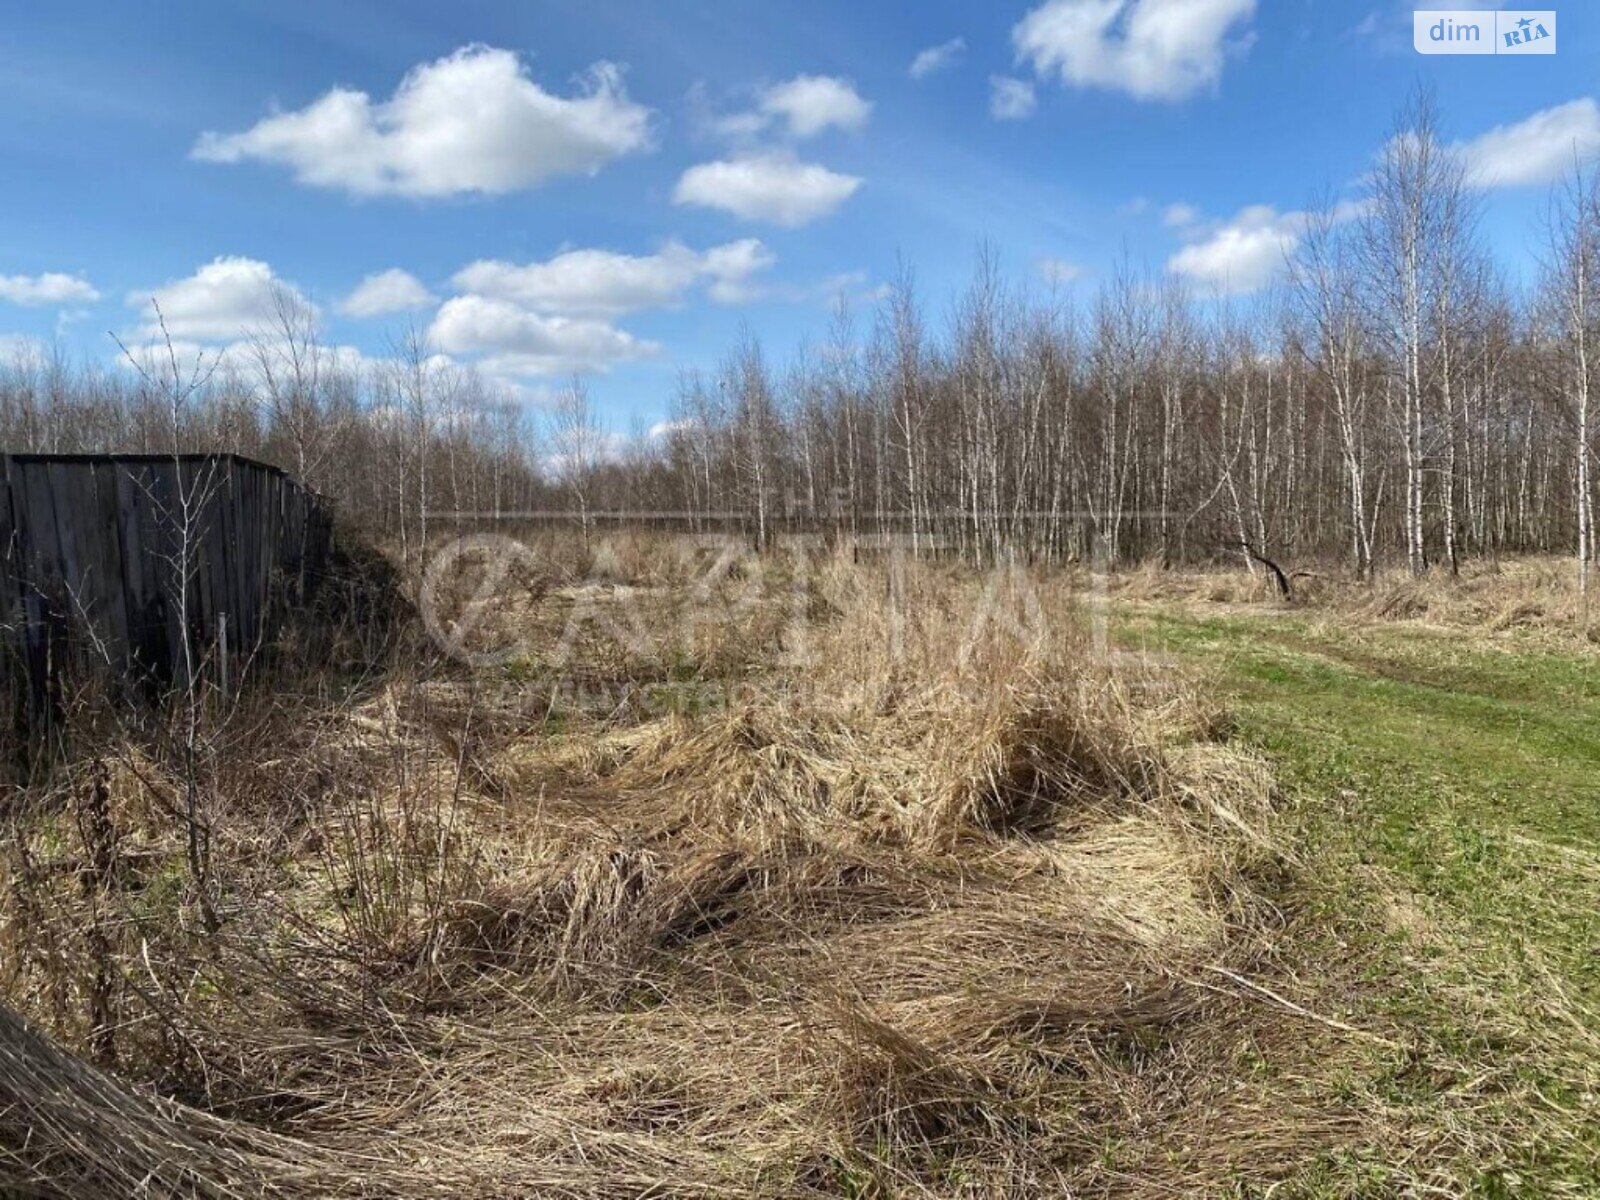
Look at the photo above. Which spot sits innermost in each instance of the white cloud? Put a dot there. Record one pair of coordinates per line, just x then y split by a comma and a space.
227, 299
473, 121
603, 283
238, 359
1243, 254
388, 291
521, 342
1536, 150
937, 58
805, 106
1059, 270
812, 103
1010, 99
1179, 215
766, 187
1151, 49
731, 268
771, 184
52, 287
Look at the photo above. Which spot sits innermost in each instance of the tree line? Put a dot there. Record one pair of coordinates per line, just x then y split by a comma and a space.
392, 443
1393, 400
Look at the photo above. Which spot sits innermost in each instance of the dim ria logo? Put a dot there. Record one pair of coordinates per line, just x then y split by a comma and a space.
1473, 31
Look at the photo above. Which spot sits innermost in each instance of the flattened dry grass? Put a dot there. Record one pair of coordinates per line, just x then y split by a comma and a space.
943, 907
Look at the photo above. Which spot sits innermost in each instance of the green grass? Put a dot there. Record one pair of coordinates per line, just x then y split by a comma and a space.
1443, 794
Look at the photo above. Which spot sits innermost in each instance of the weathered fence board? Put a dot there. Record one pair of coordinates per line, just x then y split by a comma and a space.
127, 565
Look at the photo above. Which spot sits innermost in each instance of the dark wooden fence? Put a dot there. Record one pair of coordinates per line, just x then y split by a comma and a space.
145, 567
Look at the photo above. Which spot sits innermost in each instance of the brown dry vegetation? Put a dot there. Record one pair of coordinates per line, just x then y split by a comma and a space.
1533, 594
927, 901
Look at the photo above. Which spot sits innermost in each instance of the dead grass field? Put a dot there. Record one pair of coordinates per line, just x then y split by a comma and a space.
701, 883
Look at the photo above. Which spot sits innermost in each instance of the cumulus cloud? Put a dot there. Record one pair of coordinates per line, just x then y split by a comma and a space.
1150, 49
227, 299
772, 187
802, 107
519, 341
388, 291
1243, 254
811, 103
556, 315
1010, 99
52, 287
603, 283
766, 182
1536, 150
473, 121
239, 359
936, 58
732, 268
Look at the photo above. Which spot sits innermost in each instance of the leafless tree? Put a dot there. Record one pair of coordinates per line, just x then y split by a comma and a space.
578, 443
1572, 292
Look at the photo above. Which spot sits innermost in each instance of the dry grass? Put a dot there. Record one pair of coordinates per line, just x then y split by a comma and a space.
1533, 594
918, 901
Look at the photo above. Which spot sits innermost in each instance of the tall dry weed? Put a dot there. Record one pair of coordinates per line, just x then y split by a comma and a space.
933, 903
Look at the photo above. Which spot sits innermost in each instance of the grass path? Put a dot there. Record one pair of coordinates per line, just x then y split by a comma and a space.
1445, 788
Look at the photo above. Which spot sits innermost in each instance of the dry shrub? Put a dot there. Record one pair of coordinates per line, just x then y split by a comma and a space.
936, 910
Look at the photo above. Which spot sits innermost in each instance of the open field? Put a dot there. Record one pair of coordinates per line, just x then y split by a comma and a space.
894, 602
715, 874
1441, 777
1436, 744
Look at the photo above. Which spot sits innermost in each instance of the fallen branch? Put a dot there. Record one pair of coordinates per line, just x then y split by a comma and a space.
1285, 588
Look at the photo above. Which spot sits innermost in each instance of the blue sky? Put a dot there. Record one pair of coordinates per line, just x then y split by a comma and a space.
614, 187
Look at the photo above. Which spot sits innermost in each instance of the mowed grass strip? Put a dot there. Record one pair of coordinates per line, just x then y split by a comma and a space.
1445, 788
